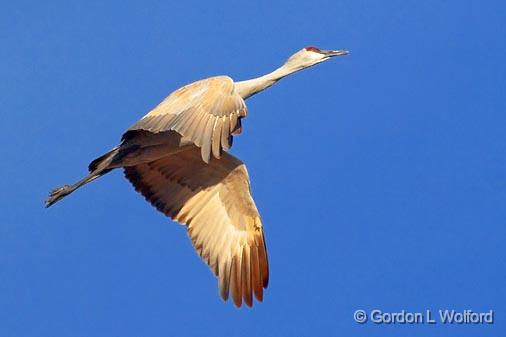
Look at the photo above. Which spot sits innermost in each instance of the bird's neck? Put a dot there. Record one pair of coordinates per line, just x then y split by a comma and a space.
248, 88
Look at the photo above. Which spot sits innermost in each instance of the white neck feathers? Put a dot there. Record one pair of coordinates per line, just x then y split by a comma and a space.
248, 88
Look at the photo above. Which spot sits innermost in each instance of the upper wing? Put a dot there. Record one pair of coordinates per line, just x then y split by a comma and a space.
215, 201
206, 112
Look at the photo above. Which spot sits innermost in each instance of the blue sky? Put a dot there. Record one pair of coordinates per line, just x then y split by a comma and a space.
380, 176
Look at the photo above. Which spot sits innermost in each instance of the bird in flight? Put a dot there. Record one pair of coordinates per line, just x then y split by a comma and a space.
176, 157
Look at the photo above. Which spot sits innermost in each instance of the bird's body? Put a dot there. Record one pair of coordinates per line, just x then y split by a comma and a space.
174, 156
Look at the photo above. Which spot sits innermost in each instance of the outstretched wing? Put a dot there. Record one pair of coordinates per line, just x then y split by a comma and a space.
206, 112
214, 201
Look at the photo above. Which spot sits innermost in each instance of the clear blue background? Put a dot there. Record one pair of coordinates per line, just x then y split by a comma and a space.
380, 176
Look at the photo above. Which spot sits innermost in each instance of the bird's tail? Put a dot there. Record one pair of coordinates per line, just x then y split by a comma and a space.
97, 168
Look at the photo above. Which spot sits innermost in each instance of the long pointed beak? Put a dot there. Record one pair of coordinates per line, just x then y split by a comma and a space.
331, 53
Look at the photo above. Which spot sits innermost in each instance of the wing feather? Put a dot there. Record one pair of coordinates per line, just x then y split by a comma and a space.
225, 133
193, 111
217, 138
214, 201
246, 276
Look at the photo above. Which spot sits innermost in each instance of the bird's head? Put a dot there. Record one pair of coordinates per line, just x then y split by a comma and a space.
309, 56
304, 58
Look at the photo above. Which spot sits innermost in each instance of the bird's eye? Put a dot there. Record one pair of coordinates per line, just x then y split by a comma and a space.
314, 49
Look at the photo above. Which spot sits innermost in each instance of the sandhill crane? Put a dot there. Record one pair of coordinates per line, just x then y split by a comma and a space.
174, 157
